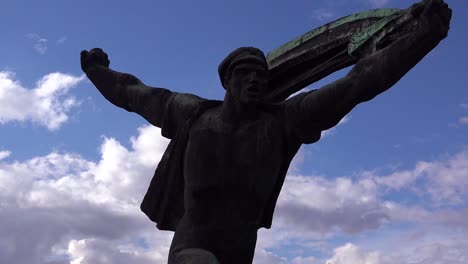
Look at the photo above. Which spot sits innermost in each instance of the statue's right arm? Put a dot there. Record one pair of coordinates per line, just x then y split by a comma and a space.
124, 90
322, 109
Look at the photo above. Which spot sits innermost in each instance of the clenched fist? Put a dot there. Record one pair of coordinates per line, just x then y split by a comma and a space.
434, 17
92, 58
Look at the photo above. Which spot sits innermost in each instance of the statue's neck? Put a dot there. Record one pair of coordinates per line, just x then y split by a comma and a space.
234, 111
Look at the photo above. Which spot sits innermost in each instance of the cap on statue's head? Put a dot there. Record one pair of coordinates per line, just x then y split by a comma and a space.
243, 54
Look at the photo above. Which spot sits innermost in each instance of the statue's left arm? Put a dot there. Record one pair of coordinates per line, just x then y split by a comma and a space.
322, 109
161, 107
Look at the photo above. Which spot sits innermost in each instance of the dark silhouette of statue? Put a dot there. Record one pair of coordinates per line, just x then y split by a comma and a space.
220, 177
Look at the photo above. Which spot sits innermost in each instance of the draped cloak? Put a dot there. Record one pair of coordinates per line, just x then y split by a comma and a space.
164, 200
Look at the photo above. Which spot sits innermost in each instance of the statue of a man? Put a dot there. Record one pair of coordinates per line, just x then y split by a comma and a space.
221, 175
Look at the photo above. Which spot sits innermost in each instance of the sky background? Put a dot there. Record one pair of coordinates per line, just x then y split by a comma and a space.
389, 184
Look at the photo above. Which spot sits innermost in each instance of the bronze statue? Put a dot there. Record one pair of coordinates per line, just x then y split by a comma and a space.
223, 170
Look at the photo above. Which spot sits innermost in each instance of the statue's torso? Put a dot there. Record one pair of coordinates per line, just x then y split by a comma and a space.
230, 175
230, 172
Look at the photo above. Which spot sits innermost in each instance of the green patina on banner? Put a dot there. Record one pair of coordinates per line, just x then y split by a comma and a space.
386, 14
332, 47
359, 39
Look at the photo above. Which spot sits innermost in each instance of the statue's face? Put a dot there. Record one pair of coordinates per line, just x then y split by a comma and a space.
248, 82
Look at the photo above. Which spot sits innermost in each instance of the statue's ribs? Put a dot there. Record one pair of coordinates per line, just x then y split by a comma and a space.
331, 47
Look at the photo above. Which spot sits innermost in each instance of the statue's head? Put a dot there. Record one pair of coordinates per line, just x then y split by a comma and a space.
244, 74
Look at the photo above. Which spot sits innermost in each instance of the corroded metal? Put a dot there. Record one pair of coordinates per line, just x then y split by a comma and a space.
371, 14
331, 47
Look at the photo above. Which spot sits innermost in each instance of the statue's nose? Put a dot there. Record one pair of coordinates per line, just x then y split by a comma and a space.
252, 76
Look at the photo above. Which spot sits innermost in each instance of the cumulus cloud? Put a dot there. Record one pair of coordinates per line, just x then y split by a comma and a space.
40, 43
450, 251
453, 252
4, 154
451, 218
62, 208
92, 251
65, 209
306, 260
318, 206
47, 104
314, 208
264, 257
445, 181
352, 254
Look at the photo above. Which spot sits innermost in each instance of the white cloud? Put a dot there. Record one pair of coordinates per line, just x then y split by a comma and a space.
63, 207
67, 208
441, 252
92, 251
306, 260
316, 208
445, 181
464, 105
352, 254
448, 218
319, 207
40, 44
61, 40
453, 252
4, 154
264, 257
46, 104
323, 14
463, 120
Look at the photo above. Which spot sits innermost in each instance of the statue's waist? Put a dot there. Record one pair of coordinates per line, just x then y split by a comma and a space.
230, 214
229, 194
227, 229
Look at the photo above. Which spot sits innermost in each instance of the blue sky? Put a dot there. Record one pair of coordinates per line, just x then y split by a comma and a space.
387, 184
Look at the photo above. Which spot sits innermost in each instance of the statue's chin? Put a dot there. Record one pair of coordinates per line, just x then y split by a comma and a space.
252, 99
250, 102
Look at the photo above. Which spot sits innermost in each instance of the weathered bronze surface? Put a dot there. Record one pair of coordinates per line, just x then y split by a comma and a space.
223, 170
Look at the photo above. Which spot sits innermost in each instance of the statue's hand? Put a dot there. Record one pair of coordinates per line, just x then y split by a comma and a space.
92, 58
434, 17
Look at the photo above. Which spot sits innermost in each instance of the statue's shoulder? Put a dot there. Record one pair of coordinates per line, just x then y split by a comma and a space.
209, 103
207, 109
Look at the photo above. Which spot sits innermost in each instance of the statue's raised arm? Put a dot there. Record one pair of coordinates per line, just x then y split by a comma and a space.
375, 73
160, 107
